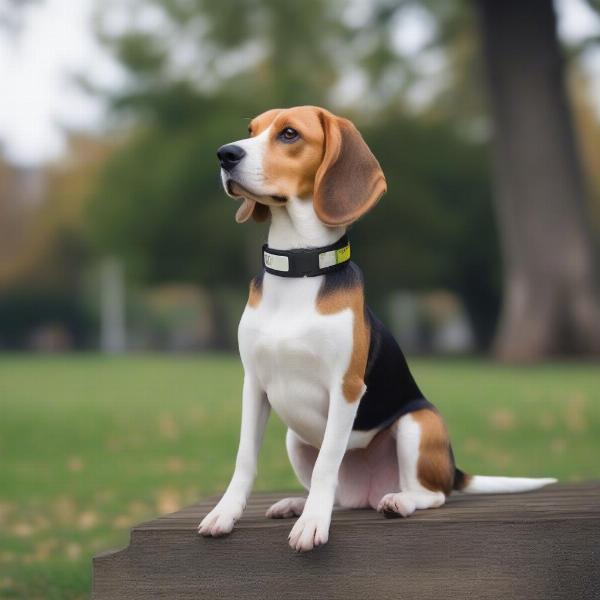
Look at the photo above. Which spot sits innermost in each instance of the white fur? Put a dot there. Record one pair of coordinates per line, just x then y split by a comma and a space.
297, 354
249, 172
255, 412
288, 507
299, 358
412, 494
296, 225
294, 360
484, 484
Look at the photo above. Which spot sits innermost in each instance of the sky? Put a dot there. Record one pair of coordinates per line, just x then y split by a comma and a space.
39, 98
38, 95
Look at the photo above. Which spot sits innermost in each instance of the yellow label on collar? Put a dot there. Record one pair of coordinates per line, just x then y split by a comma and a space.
342, 255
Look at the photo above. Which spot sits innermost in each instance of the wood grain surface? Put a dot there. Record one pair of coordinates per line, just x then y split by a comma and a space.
543, 544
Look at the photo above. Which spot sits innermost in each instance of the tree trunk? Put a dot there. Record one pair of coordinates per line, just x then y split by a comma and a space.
551, 304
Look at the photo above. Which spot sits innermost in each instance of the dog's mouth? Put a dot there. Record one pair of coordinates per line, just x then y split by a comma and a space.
244, 212
236, 190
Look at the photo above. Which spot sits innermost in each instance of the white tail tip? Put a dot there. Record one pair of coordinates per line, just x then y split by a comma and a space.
482, 484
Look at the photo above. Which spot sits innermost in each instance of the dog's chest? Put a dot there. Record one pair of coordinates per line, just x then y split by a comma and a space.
296, 352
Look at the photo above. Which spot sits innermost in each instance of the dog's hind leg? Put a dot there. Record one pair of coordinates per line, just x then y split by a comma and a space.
302, 458
426, 468
286, 508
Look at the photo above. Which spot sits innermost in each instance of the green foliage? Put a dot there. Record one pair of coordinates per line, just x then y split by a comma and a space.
435, 226
162, 206
22, 310
92, 445
160, 203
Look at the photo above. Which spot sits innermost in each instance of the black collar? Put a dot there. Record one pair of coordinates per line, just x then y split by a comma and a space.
307, 262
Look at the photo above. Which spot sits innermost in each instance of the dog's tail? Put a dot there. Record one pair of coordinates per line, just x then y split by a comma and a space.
483, 484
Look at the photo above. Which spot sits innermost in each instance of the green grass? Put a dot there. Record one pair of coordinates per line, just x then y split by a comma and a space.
89, 445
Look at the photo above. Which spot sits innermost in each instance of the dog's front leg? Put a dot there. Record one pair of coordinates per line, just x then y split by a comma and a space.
312, 527
255, 413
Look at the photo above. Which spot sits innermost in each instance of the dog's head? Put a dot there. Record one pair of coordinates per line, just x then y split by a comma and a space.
307, 153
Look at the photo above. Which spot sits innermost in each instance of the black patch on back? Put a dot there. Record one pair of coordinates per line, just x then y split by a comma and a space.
391, 390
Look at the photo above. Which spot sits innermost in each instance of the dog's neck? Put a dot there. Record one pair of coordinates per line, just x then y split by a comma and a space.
296, 225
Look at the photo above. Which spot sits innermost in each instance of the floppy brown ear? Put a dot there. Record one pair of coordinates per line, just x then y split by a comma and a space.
349, 181
249, 208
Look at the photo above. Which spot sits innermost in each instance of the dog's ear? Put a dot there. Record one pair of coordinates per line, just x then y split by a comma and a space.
349, 181
249, 208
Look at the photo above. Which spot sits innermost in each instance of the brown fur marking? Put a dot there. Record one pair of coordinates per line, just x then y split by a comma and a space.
255, 294
330, 162
435, 469
335, 302
292, 167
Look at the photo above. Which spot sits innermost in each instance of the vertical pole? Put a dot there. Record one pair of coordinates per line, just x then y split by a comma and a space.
113, 337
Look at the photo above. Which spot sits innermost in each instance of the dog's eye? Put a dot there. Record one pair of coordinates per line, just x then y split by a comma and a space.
288, 135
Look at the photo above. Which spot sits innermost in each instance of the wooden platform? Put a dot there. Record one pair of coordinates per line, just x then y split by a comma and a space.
543, 544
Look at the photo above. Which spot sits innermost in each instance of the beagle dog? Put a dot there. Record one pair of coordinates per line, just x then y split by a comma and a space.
360, 432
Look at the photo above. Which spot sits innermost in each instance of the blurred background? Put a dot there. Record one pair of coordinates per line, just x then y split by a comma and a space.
119, 384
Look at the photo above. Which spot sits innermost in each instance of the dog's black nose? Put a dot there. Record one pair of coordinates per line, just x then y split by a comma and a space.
230, 155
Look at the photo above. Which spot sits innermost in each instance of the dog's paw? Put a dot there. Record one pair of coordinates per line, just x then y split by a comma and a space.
403, 504
286, 508
397, 505
308, 532
220, 520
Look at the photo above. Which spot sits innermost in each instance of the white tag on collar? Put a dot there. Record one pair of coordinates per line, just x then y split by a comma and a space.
277, 262
327, 259
334, 257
